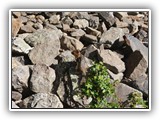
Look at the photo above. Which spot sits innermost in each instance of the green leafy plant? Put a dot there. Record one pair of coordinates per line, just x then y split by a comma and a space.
135, 100
99, 87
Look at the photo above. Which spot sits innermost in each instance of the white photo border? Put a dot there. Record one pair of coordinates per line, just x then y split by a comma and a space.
63, 109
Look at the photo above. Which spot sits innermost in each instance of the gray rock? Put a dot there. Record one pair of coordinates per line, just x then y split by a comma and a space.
120, 15
54, 19
67, 20
121, 24
80, 23
123, 91
135, 45
113, 76
111, 35
136, 68
42, 100
94, 22
66, 27
112, 61
41, 36
28, 28
20, 76
85, 63
83, 15
22, 36
70, 43
45, 53
77, 33
23, 19
42, 79
16, 24
17, 14
40, 17
89, 39
20, 46
90, 52
16, 96
67, 56
38, 26
107, 17
92, 31
14, 105
142, 85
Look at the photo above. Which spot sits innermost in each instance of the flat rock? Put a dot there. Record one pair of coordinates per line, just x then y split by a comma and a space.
83, 15
20, 46
70, 43
42, 79
16, 24
111, 35
80, 23
93, 31
123, 91
77, 33
90, 52
45, 53
42, 100
41, 36
20, 76
87, 39
112, 61
120, 15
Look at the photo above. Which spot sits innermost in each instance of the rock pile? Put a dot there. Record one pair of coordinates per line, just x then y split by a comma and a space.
51, 52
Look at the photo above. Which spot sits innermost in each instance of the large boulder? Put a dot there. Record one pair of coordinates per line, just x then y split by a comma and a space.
45, 53
42, 79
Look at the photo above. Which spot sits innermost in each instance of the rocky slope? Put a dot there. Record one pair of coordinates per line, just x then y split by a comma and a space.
52, 51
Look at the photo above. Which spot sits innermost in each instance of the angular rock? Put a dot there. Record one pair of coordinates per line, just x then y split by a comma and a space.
123, 91
136, 68
85, 63
77, 33
107, 17
112, 61
27, 29
42, 79
94, 22
66, 27
70, 43
67, 56
20, 46
16, 14
113, 76
90, 52
38, 26
83, 15
67, 20
16, 96
120, 24
111, 35
42, 100
20, 76
14, 105
120, 15
16, 24
22, 36
15, 62
80, 23
54, 19
92, 31
41, 36
87, 39
135, 45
